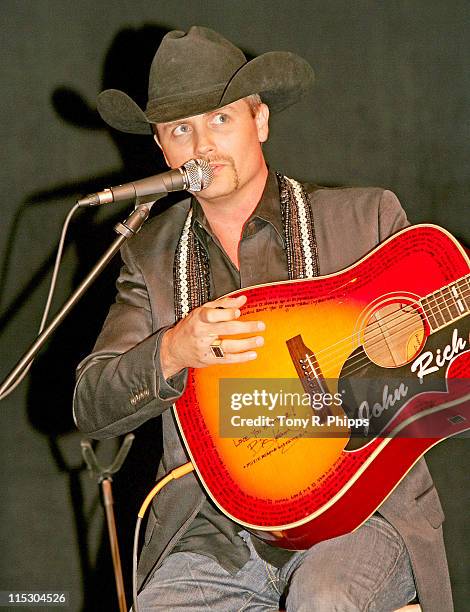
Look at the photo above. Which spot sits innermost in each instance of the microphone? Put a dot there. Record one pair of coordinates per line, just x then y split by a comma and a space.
194, 175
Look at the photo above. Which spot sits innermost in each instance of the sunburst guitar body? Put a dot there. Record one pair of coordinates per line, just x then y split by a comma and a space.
386, 341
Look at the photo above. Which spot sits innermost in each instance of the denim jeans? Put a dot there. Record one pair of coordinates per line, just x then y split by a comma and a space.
367, 570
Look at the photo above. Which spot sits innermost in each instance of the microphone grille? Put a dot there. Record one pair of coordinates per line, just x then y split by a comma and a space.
199, 174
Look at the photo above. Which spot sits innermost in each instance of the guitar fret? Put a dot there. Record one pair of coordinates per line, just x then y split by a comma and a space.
445, 310
437, 311
447, 304
450, 303
460, 298
465, 294
430, 315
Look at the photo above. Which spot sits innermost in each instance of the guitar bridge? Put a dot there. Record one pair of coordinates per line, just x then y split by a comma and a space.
308, 371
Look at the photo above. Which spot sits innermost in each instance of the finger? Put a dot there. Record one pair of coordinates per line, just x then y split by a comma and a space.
231, 328
211, 314
238, 357
228, 302
226, 308
232, 345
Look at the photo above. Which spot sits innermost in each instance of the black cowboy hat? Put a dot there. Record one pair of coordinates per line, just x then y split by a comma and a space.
200, 71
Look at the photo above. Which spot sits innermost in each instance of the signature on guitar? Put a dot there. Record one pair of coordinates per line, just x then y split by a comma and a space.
388, 401
422, 365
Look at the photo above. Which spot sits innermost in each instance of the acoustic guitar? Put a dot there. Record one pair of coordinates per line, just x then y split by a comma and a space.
376, 360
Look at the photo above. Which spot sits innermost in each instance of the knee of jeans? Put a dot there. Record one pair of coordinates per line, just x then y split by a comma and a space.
310, 595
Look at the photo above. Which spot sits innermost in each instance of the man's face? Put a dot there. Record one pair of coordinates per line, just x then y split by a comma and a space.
229, 138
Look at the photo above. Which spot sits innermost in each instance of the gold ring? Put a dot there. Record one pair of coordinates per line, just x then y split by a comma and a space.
217, 349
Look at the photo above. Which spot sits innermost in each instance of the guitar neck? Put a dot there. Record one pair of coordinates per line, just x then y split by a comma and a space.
447, 304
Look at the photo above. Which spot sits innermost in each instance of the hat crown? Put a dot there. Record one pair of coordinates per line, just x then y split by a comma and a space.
187, 62
200, 71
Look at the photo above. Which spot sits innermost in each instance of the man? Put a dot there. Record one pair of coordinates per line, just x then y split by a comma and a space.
204, 102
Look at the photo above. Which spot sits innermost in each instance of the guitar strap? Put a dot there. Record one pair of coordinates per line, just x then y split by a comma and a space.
191, 270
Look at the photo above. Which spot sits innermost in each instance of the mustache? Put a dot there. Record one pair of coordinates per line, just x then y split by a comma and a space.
218, 158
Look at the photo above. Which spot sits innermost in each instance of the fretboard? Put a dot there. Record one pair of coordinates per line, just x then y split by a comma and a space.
448, 304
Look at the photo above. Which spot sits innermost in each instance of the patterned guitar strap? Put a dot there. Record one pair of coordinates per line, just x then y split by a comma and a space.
192, 269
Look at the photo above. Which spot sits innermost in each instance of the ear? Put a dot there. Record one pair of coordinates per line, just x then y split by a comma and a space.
262, 122
155, 137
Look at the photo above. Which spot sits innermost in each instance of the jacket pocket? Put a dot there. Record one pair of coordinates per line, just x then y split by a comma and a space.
430, 505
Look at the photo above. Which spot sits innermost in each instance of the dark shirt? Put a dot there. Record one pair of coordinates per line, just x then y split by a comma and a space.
262, 259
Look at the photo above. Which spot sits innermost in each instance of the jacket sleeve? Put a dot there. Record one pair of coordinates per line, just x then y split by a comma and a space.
392, 217
120, 385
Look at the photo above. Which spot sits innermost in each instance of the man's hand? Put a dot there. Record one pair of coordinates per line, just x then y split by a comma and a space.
187, 344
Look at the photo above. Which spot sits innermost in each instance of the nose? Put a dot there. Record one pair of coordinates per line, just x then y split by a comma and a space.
203, 142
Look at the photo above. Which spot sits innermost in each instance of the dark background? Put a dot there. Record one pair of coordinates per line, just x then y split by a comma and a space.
390, 108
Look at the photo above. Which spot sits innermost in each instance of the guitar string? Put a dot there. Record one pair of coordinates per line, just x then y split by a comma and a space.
354, 360
356, 363
360, 367
370, 344
379, 324
450, 295
392, 317
363, 359
431, 310
453, 300
386, 319
429, 305
351, 338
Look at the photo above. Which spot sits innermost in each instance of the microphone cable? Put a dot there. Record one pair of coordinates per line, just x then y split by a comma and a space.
178, 472
50, 295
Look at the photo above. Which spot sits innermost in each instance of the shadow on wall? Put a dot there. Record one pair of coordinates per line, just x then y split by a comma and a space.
126, 67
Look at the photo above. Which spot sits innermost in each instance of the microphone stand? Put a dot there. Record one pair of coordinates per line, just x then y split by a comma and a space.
126, 229
104, 476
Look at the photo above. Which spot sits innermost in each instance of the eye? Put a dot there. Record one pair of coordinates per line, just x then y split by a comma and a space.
220, 118
181, 129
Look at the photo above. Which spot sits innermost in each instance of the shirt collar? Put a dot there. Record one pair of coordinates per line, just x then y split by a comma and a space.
267, 210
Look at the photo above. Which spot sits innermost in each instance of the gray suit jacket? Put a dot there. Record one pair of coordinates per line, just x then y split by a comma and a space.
120, 385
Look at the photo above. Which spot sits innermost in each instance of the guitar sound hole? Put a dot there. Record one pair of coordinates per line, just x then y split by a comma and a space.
394, 335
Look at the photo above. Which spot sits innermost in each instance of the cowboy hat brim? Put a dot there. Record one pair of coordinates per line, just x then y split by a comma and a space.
281, 78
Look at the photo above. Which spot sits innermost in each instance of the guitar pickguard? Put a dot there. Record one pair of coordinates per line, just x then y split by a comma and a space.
382, 394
